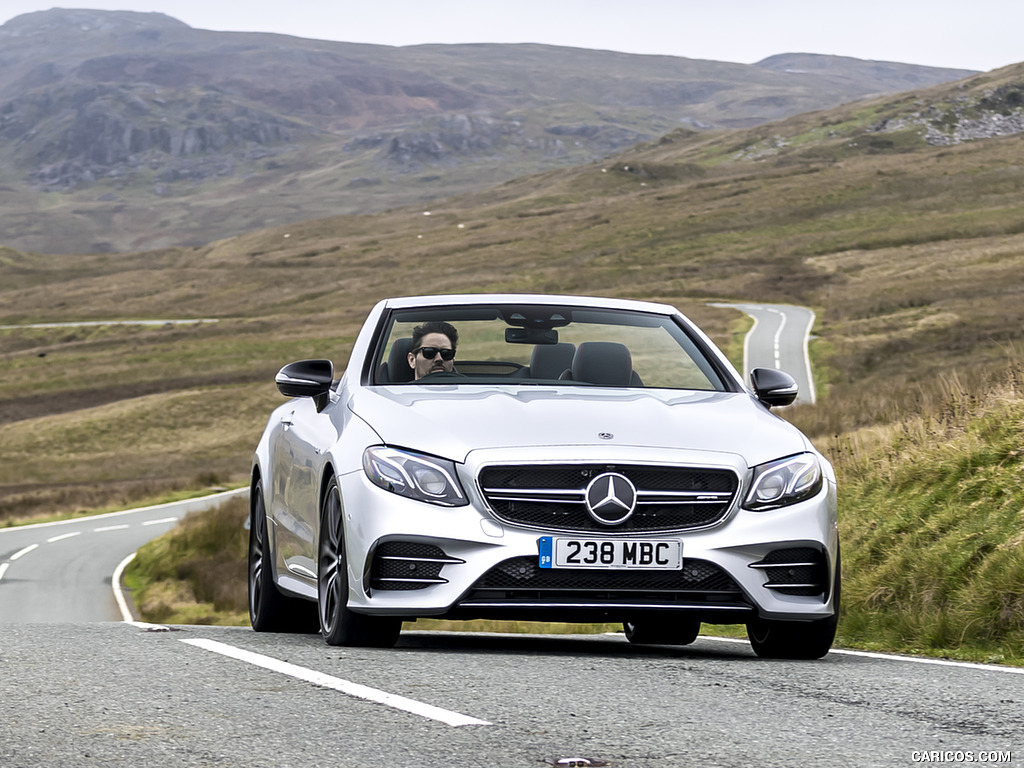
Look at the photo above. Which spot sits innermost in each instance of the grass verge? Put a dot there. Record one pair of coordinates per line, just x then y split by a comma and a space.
932, 524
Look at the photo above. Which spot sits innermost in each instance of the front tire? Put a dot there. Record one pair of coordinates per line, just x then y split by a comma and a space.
269, 610
339, 625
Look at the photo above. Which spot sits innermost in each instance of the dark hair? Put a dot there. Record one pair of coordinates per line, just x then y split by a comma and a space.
435, 326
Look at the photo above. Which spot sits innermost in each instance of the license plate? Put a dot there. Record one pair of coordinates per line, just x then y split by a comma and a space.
647, 554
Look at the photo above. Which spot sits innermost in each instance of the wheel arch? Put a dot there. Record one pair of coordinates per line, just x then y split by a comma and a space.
255, 483
325, 479
326, 476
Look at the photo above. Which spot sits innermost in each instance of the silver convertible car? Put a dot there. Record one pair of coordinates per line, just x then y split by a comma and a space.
551, 458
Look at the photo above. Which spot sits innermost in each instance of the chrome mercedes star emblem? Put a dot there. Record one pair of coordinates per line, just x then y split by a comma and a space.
611, 498
605, 435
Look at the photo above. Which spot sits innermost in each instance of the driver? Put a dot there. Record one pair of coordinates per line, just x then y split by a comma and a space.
433, 348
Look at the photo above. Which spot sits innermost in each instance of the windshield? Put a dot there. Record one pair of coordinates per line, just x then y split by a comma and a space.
541, 345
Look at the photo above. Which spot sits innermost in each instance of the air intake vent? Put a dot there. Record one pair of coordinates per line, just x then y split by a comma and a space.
698, 580
800, 571
407, 565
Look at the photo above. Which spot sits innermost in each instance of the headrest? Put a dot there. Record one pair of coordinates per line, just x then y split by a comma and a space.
606, 363
398, 361
549, 361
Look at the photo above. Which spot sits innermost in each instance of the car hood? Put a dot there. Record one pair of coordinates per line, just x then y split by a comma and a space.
451, 421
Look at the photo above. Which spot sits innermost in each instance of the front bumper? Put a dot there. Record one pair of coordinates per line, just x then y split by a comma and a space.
412, 559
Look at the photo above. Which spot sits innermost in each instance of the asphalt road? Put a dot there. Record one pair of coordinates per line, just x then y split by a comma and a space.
79, 689
779, 340
61, 572
113, 694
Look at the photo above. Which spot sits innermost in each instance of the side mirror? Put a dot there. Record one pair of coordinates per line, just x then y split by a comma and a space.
773, 387
307, 378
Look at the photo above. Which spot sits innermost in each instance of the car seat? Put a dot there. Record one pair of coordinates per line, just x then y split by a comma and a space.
549, 361
397, 369
606, 363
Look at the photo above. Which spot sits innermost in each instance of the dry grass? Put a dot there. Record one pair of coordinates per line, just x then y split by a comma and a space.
196, 574
932, 513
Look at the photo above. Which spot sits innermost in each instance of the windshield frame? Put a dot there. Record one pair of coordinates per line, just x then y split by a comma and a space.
534, 318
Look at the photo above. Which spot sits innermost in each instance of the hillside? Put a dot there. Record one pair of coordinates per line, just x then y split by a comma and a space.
121, 131
910, 249
933, 528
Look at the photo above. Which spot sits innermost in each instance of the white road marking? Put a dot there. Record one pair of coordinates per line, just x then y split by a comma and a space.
336, 683
182, 507
16, 556
812, 393
778, 336
63, 536
21, 553
198, 503
122, 604
161, 521
746, 344
893, 657
938, 662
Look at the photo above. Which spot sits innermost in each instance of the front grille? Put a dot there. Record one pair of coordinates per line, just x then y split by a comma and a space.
798, 571
521, 578
407, 565
553, 496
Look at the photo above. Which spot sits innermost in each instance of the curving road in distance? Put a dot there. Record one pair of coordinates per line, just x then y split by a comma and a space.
62, 572
779, 340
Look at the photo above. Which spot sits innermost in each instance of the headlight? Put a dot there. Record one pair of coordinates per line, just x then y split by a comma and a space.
783, 482
414, 475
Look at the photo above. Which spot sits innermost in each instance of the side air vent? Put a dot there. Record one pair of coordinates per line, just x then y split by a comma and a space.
407, 565
800, 571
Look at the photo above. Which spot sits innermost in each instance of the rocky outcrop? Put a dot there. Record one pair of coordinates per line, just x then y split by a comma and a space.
107, 131
452, 136
971, 129
57, 22
609, 137
465, 136
999, 112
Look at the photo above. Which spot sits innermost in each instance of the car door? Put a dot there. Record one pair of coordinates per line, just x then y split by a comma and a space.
303, 437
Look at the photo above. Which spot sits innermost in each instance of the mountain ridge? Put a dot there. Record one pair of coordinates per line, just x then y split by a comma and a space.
122, 130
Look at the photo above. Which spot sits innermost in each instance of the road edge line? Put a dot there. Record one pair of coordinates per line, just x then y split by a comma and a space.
119, 598
896, 657
197, 501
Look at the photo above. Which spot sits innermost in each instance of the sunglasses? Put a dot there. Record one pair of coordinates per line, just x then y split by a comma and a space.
431, 352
